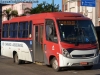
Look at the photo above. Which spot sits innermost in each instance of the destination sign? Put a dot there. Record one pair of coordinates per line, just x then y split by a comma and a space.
67, 22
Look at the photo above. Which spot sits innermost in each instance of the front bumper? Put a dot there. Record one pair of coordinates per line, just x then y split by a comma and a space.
64, 61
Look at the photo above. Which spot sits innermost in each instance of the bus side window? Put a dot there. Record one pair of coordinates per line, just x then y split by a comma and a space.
13, 30
51, 34
30, 29
23, 30
16, 30
20, 30
5, 30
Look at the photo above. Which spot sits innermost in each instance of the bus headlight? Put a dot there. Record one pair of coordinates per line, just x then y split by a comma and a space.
65, 53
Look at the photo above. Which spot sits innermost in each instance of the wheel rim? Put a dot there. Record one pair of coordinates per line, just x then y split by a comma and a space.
55, 64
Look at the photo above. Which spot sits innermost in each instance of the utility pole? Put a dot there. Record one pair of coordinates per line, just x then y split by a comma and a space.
52, 5
96, 13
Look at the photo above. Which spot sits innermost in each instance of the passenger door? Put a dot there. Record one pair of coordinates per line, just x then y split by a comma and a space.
38, 43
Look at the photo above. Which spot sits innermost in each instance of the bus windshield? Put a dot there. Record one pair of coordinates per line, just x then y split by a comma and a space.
77, 31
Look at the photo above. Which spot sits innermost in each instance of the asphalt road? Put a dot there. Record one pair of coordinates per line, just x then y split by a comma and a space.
7, 67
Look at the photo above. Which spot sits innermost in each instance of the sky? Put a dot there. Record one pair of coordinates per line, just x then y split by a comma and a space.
40, 1
50, 1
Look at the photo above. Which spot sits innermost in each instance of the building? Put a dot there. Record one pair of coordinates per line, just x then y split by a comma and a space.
75, 6
1, 12
18, 6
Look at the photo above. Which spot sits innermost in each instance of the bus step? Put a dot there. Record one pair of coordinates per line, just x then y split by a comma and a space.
39, 63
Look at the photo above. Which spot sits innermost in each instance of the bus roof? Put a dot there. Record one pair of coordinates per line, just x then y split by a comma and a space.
44, 16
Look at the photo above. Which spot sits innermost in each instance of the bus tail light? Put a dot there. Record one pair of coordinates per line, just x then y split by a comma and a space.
66, 53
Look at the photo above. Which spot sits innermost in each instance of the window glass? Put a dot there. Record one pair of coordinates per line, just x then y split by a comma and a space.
30, 27
5, 30
51, 31
41, 33
76, 31
36, 33
20, 34
23, 30
20, 30
13, 30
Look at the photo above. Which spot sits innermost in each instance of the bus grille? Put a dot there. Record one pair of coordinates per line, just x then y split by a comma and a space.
83, 56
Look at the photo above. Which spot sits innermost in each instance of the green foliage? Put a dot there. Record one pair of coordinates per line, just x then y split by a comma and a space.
8, 13
41, 8
14, 13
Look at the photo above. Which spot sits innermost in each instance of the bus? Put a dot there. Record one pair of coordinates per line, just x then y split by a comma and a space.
58, 39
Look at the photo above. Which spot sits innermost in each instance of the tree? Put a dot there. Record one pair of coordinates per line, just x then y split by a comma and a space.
14, 13
8, 13
42, 7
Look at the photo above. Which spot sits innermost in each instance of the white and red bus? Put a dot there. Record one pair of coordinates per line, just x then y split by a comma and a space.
59, 39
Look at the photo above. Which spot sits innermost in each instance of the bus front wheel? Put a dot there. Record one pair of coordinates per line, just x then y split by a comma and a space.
16, 60
55, 64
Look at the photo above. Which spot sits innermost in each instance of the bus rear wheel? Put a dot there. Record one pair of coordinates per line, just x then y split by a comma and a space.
88, 67
16, 60
55, 65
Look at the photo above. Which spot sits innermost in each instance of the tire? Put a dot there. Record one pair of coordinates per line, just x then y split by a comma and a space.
22, 61
55, 65
88, 67
16, 60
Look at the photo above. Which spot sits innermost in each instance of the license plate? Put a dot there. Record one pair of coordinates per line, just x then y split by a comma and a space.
83, 63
